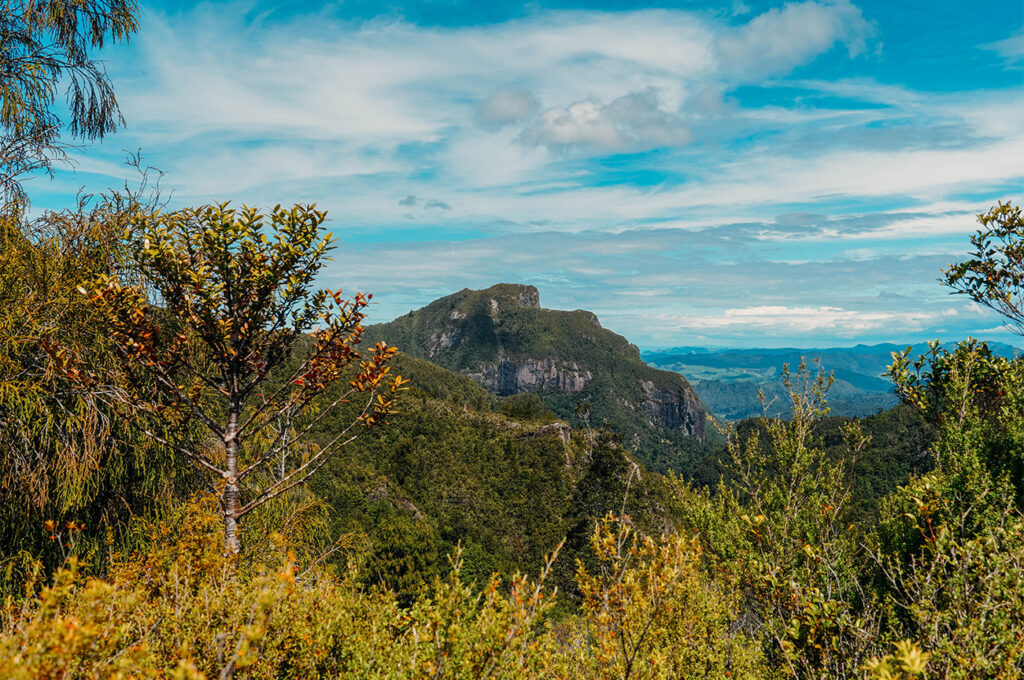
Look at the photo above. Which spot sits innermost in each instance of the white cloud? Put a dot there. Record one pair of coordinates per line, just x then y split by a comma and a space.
779, 39
635, 121
354, 114
387, 83
779, 318
506, 106
362, 116
581, 125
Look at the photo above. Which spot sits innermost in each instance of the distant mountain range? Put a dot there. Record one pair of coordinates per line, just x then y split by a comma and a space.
728, 381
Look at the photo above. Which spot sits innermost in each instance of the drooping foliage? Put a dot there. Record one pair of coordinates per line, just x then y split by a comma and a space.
66, 456
44, 44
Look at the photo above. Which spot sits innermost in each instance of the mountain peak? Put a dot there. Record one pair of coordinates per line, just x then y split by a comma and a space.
517, 293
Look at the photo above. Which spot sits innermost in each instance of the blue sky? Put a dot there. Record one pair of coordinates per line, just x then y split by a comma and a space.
742, 173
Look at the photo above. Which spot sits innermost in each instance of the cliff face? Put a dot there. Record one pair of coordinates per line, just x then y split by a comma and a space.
672, 408
503, 339
530, 375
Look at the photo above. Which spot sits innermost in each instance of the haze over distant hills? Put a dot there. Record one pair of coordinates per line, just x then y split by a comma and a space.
729, 381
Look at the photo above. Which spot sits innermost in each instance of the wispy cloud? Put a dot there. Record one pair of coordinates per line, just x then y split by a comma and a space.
737, 167
1011, 49
506, 106
780, 39
800, 320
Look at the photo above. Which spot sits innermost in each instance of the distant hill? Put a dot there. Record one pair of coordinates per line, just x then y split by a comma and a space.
504, 340
728, 380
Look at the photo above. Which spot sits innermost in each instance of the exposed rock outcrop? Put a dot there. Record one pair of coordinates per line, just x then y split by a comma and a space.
527, 296
673, 409
445, 338
530, 375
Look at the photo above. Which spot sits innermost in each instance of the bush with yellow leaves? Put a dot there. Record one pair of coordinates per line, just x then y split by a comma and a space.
906, 662
653, 612
183, 609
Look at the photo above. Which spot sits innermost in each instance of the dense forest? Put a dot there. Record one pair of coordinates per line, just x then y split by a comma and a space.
211, 468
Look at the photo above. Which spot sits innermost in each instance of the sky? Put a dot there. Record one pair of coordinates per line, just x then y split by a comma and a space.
739, 173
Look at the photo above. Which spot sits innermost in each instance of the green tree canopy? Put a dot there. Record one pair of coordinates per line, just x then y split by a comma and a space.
994, 275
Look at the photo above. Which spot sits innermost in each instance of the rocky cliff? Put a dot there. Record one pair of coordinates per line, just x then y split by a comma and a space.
503, 339
530, 375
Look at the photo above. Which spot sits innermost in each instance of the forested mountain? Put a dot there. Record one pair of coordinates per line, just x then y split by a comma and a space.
729, 381
503, 339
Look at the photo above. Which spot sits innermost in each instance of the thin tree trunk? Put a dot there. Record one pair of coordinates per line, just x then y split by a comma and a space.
232, 494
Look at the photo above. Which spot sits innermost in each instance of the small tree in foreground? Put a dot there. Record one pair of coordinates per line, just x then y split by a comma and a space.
216, 365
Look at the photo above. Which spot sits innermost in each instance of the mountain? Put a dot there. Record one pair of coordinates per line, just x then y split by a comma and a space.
729, 380
504, 340
506, 480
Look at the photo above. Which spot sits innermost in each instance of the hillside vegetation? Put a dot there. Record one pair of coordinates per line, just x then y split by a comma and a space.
499, 476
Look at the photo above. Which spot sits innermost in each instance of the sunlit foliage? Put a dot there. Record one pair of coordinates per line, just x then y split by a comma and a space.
226, 298
65, 455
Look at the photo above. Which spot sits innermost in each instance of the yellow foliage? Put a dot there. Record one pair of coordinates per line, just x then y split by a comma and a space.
654, 613
185, 610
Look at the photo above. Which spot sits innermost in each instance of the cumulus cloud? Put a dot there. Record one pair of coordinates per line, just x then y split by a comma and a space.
632, 122
779, 39
506, 106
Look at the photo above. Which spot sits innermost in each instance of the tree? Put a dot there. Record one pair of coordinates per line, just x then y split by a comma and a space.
994, 276
42, 43
64, 454
970, 389
231, 358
